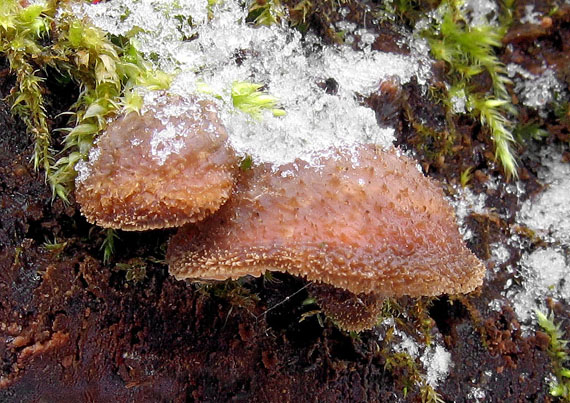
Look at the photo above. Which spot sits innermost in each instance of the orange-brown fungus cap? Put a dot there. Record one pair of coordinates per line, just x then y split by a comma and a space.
366, 221
168, 166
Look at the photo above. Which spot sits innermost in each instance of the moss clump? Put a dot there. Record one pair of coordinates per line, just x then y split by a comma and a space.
135, 270
266, 12
107, 70
233, 292
108, 245
469, 51
21, 32
249, 98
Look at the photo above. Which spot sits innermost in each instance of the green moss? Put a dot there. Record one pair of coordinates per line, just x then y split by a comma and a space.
231, 291
491, 114
135, 270
317, 313
466, 176
302, 14
246, 164
529, 131
406, 372
21, 32
249, 98
266, 12
408, 12
433, 143
108, 245
55, 247
468, 52
317, 14
107, 70
558, 350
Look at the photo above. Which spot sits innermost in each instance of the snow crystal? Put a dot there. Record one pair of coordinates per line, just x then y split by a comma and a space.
530, 15
136, 142
544, 273
214, 52
436, 361
407, 344
458, 102
466, 202
159, 26
361, 72
499, 253
535, 91
83, 168
477, 13
476, 394
83, 171
481, 12
496, 305
549, 213
165, 142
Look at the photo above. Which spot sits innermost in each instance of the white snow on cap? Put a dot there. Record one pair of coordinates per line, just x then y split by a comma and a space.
215, 46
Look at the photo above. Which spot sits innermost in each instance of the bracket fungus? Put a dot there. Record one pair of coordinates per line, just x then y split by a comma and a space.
165, 167
363, 221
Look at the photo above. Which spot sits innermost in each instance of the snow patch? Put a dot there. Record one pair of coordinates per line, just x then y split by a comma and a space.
499, 253
83, 168
544, 273
165, 142
437, 361
458, 102
481, 12
217, 50
549, 213
407, 345
466, 202
476, 394
535, 91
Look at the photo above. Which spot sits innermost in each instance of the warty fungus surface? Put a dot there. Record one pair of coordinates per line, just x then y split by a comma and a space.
366, 221
165, 167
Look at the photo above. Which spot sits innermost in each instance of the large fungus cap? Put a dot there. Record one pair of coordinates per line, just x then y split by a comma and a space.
166, 167
365, 220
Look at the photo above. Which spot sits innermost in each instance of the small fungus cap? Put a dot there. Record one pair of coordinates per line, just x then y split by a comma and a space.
364, 220
166, 167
